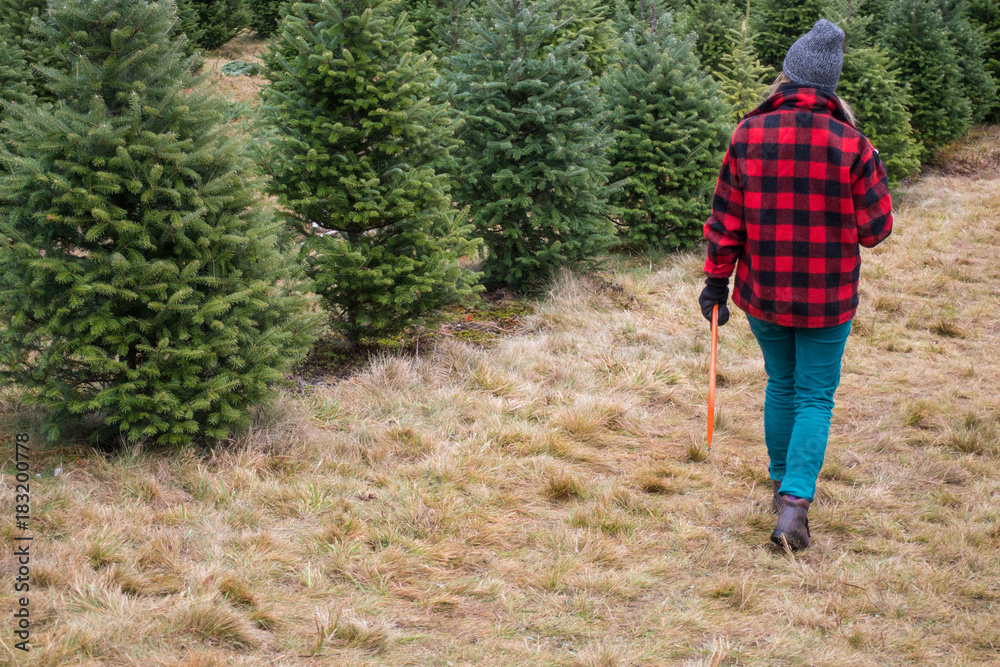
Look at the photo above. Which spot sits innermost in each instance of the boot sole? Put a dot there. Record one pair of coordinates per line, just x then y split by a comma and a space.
789, 541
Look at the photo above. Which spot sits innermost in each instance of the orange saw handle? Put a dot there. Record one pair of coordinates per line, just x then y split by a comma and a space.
711, 373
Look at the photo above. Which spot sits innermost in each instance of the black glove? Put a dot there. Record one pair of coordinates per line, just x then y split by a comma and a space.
716, 292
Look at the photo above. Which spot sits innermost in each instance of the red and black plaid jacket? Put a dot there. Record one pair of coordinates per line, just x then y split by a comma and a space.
800, 189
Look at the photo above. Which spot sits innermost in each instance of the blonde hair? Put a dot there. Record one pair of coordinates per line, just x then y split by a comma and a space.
782, 79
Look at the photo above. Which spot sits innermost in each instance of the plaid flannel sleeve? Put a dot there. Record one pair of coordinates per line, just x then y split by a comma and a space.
725, 229
872, 202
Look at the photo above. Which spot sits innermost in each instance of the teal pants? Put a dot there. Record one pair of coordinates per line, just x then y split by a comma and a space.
803, 371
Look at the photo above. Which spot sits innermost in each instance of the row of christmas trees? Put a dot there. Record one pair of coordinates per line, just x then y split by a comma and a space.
146, 283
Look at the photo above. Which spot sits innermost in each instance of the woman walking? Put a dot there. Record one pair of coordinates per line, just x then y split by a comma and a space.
799, 191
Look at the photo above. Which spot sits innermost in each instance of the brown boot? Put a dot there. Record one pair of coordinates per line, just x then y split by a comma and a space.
776, 500
792, 530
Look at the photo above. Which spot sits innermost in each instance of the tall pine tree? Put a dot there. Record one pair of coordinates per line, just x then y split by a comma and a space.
872, 87
357, 140
189, 25
743, 78
850, 16
218, 21
918, 40
713, 22
986, 15
671, 129
778, 23
534, 168
140, 278
265, 15
971, 49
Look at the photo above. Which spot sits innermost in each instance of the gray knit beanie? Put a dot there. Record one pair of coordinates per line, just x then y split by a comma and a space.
816, 58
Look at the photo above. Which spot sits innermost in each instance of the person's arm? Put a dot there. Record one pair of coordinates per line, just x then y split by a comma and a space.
872, 202
725, 231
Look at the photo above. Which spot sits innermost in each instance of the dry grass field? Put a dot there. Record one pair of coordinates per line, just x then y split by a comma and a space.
546, 500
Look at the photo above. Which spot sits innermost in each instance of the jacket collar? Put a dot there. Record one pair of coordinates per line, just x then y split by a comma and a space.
794, 96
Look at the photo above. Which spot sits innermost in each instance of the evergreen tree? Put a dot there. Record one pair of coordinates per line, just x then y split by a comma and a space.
971, 50
640, 7
880, 102
713, 22
140, 278
219, 21
778, 23
591, 22
15, 31
356, 144
872, 87
14, 86
917, 38
670, 131
850, 16
265, 15
189, 25
534, 168
879, 10
986, 15
440, 24
15, 25
14, 77
424, 15
743, 78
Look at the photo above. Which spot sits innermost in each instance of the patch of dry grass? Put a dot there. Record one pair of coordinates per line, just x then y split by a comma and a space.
976, 155
235, 88
549, 500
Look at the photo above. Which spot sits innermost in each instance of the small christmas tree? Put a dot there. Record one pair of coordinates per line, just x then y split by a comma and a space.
534, 167
265, 15
140, 279
219, 21
356, 144
671, 129
880, 101
917, 38
743, 78
189, 25
778, 23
